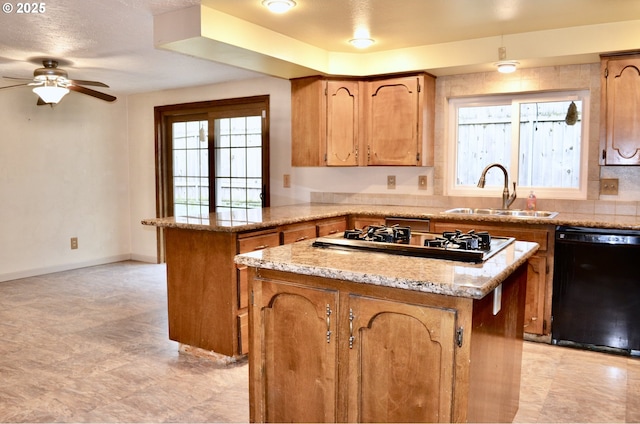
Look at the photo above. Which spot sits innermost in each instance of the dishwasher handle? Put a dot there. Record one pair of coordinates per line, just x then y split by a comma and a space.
597, 235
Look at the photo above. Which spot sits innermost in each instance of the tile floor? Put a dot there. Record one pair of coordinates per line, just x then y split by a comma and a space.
90, 345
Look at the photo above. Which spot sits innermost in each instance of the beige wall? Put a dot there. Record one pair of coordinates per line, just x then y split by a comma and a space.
64, 172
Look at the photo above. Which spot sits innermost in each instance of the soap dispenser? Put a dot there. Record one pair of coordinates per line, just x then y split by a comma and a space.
531, 201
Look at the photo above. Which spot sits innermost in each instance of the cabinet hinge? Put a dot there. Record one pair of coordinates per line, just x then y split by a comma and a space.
368, 154
418, 157
419, 86
604, 154
251, 298
606, 72
459, 335
544, 326
325, 157
546, 269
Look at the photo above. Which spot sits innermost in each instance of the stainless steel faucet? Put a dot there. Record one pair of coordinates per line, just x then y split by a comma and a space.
507, 199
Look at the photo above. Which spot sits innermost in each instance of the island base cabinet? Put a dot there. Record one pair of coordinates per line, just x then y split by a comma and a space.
324, 350
401, 359
298, 346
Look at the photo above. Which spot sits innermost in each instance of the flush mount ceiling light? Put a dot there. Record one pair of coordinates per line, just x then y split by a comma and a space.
50, 92
278, 6
361, 43
505, 66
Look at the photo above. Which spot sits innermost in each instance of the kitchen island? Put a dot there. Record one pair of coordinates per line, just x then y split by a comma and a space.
364, 336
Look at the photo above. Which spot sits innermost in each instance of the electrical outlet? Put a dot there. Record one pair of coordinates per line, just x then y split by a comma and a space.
422, 182
391, 182
74, 242
286, 181
609, 186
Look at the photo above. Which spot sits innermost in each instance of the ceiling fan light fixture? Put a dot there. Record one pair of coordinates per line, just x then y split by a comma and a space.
361, 43
279, 6
51, 93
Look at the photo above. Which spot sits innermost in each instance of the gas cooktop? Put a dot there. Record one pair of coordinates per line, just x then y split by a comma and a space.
453, 245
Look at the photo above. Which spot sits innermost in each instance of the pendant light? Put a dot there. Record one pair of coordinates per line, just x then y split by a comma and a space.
505, 66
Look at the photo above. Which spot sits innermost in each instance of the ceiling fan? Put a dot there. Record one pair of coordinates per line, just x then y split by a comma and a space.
51, 84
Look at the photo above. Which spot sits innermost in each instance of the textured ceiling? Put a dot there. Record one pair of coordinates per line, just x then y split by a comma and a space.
112, 40
104, 40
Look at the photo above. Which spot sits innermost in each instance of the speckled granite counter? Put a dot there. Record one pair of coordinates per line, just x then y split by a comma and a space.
253, 219
409, 273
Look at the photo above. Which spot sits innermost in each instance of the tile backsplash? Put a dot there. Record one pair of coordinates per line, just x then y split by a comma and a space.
599, 207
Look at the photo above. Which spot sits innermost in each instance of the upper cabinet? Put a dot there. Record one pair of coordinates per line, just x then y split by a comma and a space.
364, 122
620, 110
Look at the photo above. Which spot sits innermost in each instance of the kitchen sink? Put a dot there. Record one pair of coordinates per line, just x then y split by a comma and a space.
516, 213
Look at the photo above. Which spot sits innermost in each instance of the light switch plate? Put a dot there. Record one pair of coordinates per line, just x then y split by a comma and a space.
422, 182
609, 186
391, 182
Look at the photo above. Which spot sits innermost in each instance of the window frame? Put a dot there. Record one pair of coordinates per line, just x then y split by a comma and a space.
515, 99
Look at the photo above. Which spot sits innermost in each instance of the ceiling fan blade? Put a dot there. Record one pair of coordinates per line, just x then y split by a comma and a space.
92, 83
18, 79
10, 86
90, 92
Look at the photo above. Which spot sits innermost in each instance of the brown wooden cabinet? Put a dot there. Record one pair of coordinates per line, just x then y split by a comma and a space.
401, 361
540, 279
343, 123
366, 122
393, 121
361, 221
208, 295
620, 110
328, 350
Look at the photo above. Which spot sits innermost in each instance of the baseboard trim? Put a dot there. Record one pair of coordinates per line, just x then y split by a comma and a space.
64, 267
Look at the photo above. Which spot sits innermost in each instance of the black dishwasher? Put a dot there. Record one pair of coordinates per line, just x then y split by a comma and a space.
596, 289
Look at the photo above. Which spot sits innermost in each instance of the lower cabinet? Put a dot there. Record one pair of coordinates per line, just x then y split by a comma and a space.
540, 279
401, 361
332, 351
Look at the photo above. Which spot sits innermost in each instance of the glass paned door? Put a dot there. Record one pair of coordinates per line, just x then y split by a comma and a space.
190, 168
238, 162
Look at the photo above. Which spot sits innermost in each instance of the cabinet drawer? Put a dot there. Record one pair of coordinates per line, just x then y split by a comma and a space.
298, 233
334, 226
257, 242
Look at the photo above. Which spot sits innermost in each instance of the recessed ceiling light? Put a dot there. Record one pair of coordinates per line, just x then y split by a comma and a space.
361, 43
278, 6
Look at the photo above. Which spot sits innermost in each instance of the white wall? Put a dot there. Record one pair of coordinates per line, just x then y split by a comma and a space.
63, 174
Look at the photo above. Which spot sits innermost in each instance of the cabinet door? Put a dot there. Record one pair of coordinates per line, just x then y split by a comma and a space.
342, 123
536, 288
248, 243
394, 350
299, 353
621, 95
394, 122
308, 121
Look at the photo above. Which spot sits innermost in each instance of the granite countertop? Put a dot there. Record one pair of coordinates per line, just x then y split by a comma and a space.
428, 275
254, 219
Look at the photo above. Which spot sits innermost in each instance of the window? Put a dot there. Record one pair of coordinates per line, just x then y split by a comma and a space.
539, 138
